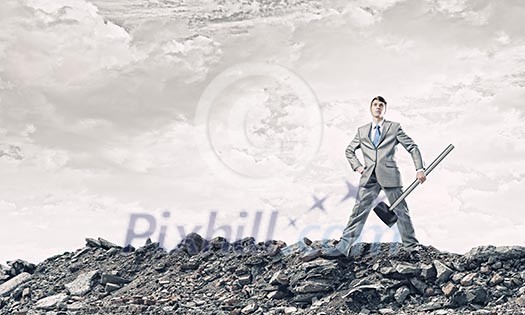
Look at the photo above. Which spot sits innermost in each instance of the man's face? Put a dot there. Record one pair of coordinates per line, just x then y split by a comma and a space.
378, 109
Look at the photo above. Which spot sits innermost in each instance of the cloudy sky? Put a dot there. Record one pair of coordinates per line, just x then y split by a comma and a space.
111, 110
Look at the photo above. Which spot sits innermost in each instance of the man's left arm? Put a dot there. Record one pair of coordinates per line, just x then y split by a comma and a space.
413, 149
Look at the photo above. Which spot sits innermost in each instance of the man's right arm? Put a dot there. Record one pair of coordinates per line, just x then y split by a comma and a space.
350, 154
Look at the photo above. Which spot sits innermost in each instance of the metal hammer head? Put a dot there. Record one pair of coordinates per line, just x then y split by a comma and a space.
383, 212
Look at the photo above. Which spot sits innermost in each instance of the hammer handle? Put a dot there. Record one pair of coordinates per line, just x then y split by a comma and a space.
427, 171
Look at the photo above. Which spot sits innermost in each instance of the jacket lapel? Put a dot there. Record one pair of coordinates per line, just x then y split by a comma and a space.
366, 134
386, 126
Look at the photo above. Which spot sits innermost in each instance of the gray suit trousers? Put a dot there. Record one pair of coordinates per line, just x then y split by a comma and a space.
365, 197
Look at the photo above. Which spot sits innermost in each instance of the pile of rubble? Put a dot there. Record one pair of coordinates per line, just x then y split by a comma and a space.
245, 277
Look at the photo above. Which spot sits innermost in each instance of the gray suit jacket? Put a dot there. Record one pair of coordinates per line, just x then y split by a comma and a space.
383, 158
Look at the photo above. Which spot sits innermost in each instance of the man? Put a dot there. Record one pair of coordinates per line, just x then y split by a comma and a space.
377, 140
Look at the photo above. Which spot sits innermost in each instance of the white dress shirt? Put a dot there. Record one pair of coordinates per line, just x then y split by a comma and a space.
373, 131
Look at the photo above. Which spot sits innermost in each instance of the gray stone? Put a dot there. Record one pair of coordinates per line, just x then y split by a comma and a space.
456, 277
311, 287
51, 302
279, 278
459, 298
76, 306
26, 292
320, 262
484, 253
496, 279
362, 288
7, 287
443, 272
246, 279
520, 301
91, 242
484, 269
276, 295
428, 272
467, 280
449, 289
82, 284
477, 295
401, 294
497, 265
18, 266
407, 269
420, 286
105, 244
111, 287
248, 309
109, 278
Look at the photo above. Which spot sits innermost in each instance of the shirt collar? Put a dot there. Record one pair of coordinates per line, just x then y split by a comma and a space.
380, 124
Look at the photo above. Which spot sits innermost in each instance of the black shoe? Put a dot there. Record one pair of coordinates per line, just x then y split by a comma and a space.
331, 253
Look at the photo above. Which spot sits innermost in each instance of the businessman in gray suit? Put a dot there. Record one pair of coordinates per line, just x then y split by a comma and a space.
377, 140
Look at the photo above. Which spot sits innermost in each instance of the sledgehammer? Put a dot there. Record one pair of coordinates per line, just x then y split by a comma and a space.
385, 213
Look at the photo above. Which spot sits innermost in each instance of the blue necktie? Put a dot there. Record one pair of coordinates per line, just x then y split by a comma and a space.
377, 136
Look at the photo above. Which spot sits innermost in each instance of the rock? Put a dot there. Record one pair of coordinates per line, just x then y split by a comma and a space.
467, 280
407, 269
109, 278
520, 301
456, 277
477, 295
91, 242
307, 241
105, 244
311, 287
311, 255
279, 278
401, 294
483, 253
484, 269
428, 272
160, 267
246, 279
495, 280
18, 266
219, 243
443, 272
10, 285
111, 287
128, 249
419, 285
250, 308
51, 302
459, 298
81, 252
82, 284
319, 263
449, 289
277, 295
497, 265
26, 293
192, 244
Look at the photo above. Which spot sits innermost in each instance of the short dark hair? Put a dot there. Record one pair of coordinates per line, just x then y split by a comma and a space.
379, 98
